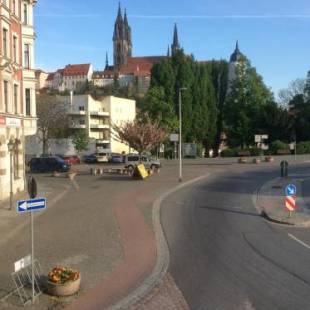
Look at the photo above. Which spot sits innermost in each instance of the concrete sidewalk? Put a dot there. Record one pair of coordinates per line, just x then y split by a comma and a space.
11, 222
271, 200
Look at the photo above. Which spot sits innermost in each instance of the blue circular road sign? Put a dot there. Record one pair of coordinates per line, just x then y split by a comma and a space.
291, 190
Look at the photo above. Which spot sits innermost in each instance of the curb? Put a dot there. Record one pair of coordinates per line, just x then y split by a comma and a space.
163, 256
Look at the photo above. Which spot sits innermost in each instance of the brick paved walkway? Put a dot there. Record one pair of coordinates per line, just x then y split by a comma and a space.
166, 296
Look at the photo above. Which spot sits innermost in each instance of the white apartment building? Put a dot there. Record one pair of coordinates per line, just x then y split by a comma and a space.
17, 89
97, 118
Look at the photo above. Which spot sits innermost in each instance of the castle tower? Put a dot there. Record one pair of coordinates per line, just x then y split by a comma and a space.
175, 45
122, 44
235, 57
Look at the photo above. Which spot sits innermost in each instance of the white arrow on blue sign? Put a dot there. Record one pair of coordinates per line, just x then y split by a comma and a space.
31, 205
291, 190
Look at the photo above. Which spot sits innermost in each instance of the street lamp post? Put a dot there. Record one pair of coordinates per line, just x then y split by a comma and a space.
11, 148
180, 133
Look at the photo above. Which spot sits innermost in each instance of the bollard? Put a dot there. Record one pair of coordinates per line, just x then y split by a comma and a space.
284, 169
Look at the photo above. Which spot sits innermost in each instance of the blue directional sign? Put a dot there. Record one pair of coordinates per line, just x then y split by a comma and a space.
31, 205
291, 190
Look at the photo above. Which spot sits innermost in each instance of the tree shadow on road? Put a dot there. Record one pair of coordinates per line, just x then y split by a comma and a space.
231, 211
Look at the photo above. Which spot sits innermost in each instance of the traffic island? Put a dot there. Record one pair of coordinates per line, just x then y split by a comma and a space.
273, 203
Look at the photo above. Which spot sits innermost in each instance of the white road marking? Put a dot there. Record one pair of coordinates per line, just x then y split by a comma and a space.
299, 241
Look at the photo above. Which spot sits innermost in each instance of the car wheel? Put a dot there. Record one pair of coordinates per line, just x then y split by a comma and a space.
130, 169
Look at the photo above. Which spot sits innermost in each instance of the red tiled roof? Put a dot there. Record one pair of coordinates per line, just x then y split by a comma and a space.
71, 70
50, 76
98, 75
140, 64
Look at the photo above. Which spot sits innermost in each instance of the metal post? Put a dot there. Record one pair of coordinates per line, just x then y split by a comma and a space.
180, 135
11, 179
295, 149
32, 256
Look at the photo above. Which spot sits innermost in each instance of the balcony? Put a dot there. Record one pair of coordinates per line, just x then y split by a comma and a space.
103, 150
103, 141
77, 126
76, 112
99, 113
99, 126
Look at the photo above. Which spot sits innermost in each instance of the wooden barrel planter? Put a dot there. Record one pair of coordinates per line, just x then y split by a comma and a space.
269, 159
242, 160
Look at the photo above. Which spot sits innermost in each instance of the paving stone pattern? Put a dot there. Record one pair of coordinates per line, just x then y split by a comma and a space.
165, 296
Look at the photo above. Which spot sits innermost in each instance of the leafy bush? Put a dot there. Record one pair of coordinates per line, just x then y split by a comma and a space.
200, 149
303, 147
255, 151
277, 145
229, 153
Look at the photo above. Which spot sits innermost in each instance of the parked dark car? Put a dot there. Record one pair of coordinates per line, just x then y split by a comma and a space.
48, 164
90, 159
116, 158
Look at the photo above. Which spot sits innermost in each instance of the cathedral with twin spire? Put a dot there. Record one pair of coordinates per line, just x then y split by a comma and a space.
129, 71
135, 72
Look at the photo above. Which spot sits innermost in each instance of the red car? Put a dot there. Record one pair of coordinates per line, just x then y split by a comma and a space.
71, 159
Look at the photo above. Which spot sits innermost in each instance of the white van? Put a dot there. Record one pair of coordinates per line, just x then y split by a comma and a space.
102, 157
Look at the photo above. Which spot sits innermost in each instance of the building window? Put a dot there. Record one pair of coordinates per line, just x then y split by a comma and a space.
15, 99
6, 96
27, 56
5, 42
14, 49
25, 14
28, 101
14, 6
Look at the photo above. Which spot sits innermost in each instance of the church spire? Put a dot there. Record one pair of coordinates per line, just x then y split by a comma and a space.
175, 45
106, 60
237, 46
236, 55
119, 24
119, 14
122, 44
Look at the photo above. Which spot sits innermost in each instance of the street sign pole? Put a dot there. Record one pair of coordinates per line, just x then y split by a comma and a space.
32, 191
32, 256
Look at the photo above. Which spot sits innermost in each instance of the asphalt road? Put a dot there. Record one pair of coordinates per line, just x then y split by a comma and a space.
224, 255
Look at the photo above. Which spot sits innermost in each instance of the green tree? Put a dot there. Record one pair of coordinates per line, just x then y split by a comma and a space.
80, 141
247, 94
158, 108
219, 75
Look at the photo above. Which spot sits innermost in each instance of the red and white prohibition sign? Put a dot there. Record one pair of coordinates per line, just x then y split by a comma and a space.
290, 203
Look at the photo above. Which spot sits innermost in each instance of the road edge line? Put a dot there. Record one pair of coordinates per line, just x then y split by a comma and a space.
162, 251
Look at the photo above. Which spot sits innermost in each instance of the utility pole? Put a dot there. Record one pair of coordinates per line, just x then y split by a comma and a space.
180, 133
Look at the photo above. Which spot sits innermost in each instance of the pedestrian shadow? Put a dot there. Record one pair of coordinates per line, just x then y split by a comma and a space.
231, 211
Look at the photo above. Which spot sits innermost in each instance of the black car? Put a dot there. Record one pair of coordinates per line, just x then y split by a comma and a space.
48, 164
90, 159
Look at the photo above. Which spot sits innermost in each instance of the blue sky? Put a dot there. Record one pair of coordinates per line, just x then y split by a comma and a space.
273, 34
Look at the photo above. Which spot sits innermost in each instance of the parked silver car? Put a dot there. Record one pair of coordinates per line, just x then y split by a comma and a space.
133, 160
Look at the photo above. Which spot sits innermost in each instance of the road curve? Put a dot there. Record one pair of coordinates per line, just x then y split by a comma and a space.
224, 255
